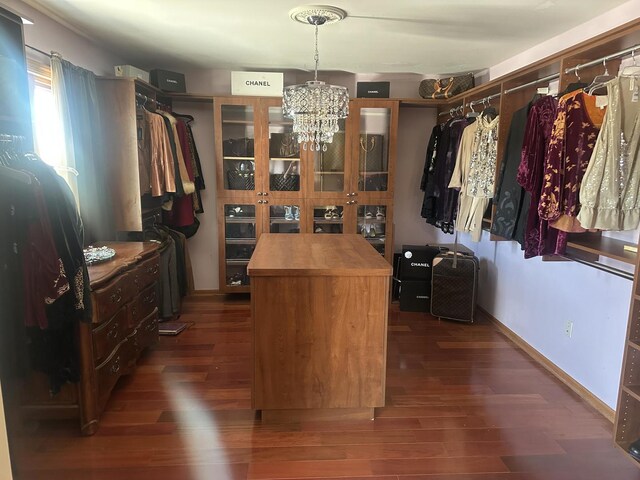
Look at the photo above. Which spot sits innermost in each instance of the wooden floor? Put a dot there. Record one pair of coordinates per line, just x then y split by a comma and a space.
463, 403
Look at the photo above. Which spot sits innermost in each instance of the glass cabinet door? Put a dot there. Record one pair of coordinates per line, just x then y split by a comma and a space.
328, 217
285, 218
329, 166
372, 225
284, 155
239, 242
238, 147
373, 146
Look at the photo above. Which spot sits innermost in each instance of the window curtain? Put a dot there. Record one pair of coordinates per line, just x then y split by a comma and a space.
74, 91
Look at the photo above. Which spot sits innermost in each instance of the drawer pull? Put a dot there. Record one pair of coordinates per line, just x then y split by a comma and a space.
134, 312
151, 327
153, 269
117, 296
115, 368
113, 333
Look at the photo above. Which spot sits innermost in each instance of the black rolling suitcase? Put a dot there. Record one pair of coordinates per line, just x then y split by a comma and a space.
454, 286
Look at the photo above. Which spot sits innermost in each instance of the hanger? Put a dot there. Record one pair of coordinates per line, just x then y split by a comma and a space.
599, 81
472, 113
631, 70
490, 113
572, 87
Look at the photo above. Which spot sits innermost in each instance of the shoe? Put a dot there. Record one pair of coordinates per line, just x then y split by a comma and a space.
368, 214
334, 213
327, 213
319, 230
380, 213
233, 211
634, 450
372, 234
288, 215
296, 212
364, 230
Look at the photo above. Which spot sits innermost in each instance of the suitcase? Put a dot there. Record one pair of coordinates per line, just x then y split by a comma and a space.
454, 286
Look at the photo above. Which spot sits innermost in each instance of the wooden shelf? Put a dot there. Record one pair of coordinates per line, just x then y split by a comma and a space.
326, 221
420, 102
372, 220
240, 219
189, 97
375, 240
238, 122
329, 173
633, 345
240, 241
602, 246
633, 390
374, 173
236, 261
284, 221
240, 158
284, 159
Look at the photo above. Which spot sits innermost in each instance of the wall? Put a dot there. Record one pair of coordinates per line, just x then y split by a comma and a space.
535, 299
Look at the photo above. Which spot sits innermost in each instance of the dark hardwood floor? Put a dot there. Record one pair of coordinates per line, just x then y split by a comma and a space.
463, 403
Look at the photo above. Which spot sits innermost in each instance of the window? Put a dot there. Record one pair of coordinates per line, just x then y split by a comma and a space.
48, 131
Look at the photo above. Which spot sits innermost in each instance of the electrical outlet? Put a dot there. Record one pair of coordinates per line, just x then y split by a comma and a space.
568, 328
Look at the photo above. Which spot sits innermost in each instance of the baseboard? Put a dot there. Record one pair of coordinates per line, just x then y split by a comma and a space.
604, 409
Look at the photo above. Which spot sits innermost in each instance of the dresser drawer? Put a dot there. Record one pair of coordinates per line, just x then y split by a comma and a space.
112, 369
143, 305
108, 334
147, 332
109, 299
147, 272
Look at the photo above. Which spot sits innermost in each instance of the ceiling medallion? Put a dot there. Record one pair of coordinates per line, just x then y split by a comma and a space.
316, 107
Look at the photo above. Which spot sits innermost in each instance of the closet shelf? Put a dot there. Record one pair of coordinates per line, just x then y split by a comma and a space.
602, 246
371, 220
240, 158
326, 221
238, 122
375, 240
236, 261
284, 221
329, 173
633, 345
240, 219
374, 173
240, 241
285, 159
633, 390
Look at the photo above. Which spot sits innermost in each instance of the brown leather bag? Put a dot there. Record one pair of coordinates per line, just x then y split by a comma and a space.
446, 87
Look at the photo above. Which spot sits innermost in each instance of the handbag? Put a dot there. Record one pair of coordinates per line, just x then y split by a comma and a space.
285, 182
373, 183
446, 87
284, 145
333, 159
238, 180
371, 153
238, 147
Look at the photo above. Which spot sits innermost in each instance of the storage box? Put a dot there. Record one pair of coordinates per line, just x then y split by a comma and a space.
415, 296
373, 89
168, 81
265, 84
417, 261
130, 71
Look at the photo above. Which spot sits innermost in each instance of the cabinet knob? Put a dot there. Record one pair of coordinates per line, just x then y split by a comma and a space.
354, 202
259, 202
265, 201
265, 193
349, 194
354, 194
259, 194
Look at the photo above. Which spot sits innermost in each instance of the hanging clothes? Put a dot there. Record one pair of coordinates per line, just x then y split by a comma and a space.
610, 188
474, 174
427, 183
573, 139
155, 159
540, 239
511, 200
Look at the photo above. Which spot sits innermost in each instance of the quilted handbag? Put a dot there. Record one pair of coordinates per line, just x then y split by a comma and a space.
238, 147
333, 159
446, 87
371, 149
238, 180
373, 183
281, 182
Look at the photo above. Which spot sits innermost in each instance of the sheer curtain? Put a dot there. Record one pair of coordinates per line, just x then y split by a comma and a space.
74, 91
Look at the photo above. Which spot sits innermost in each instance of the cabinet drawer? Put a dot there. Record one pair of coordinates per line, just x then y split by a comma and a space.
110, 298
147, 332
108, 334
112, 369
143, 305
147, 272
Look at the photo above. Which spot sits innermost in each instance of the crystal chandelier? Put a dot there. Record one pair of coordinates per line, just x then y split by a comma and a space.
316, 107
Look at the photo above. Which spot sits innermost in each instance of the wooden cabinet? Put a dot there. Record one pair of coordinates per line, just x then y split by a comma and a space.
267, 182
319, 313
124, 322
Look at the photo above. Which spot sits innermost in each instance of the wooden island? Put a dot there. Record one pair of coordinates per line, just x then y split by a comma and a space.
319, 326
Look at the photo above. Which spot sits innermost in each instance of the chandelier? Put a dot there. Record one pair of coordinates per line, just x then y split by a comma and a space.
316, 107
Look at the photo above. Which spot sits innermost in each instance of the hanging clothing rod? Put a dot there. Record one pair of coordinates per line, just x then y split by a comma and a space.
482, 100
147, 99
600, 266
451, 111
39, 51
548, 78
598, 61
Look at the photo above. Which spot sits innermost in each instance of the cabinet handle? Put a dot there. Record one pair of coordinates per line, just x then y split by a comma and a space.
150, 298
354, 194
265, 201
117, 296
113, 333
153, 270
265, 193
134, 312
115, 368
151, 327
349, 194
355, 202
259, 194
259, 202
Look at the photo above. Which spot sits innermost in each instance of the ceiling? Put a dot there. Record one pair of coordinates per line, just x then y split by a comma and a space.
378, 36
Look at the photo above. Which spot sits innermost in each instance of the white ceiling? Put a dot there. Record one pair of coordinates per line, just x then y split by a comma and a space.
378, 36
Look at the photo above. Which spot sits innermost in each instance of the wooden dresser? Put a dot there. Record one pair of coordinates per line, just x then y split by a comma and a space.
124, 294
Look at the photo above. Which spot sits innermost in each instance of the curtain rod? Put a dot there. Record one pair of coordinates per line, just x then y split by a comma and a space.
534, 82
38, 50
613, 56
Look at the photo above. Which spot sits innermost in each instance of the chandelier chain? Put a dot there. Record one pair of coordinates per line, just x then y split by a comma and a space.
316, 57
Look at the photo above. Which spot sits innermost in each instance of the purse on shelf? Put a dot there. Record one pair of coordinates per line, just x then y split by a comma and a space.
238, 147
284, 145
242, 177
373, 183
371, 153
333, 159
285, 182
446, 87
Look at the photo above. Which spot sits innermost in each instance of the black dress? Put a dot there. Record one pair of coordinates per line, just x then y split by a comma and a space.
427, 184
512, 201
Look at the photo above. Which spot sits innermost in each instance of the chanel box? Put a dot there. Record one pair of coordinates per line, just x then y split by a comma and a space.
415, 295
131, 72
168, 81
417, 261
373, 89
